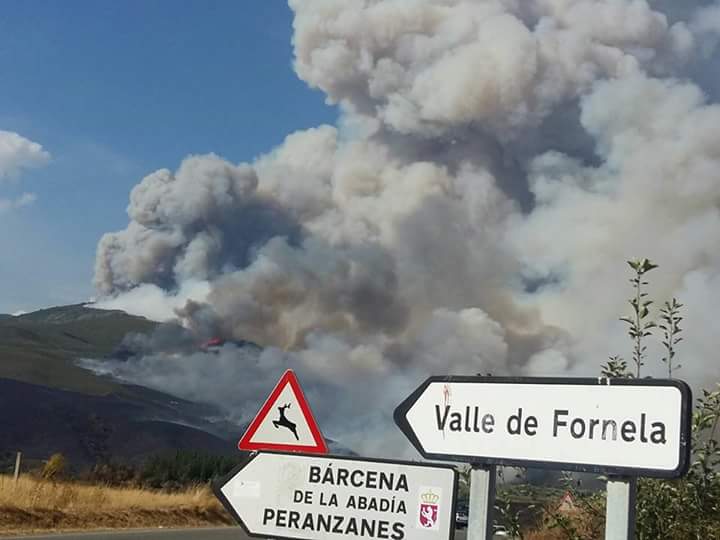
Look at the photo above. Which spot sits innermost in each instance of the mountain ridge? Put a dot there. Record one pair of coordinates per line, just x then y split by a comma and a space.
71, 410
85, 416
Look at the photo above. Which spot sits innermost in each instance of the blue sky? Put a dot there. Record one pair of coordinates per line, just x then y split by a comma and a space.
115, 90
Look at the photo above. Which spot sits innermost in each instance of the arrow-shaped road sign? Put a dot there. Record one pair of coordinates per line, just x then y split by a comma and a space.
638, 427
312, 497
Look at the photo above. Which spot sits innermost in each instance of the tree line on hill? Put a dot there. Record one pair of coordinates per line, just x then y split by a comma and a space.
169, 471
165, 471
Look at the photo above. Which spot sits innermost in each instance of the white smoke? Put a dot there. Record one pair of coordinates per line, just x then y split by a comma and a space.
496, 164
154, 303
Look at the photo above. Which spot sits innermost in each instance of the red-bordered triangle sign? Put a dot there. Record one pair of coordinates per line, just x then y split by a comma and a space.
285, 422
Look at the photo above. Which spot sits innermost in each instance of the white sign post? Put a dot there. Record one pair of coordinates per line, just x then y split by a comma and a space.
313, 497
620, 427
482, 502
620, 512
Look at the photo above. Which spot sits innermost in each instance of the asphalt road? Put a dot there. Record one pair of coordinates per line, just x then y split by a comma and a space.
224, 533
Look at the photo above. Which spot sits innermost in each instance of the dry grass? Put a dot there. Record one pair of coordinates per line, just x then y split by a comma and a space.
31, 493
33, 505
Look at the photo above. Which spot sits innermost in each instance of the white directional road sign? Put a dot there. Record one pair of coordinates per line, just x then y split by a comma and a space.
617, 426
290, 495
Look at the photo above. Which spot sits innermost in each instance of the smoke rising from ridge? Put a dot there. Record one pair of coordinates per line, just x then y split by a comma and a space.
495, 164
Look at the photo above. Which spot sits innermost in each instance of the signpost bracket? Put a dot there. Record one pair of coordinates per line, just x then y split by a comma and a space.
482, 502
620, 513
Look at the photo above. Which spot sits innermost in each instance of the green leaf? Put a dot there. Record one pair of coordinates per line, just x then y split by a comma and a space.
647, 265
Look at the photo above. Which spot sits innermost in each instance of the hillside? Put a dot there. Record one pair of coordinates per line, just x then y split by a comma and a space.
41, 347
40, 421
48, 404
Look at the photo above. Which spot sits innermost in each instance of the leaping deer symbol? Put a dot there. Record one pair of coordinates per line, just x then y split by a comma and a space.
284, 422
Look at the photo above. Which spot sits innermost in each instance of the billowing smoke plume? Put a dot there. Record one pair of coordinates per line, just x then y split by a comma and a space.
495, 164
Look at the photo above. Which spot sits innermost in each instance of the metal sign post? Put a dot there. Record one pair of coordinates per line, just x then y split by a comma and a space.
482, 503
620, 512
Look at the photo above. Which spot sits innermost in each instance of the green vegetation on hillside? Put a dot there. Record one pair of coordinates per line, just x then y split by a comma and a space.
42, 347
169, 471
181, 469
49, 404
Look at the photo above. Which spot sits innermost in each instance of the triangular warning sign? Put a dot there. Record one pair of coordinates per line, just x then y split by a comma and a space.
285, 422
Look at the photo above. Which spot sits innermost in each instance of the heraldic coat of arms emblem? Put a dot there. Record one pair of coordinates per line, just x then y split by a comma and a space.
429, 508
